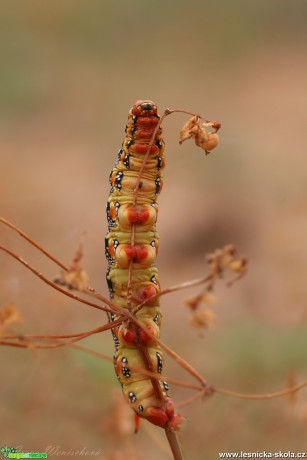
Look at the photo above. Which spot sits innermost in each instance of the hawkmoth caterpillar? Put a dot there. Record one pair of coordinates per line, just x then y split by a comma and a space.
131, 247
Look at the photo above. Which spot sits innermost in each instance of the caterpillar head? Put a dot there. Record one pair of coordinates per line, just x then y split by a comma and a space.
144, 108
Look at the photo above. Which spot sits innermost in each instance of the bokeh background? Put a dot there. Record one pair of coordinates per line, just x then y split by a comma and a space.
70, 71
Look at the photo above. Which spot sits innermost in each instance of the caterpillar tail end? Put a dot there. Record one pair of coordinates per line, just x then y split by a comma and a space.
165, 417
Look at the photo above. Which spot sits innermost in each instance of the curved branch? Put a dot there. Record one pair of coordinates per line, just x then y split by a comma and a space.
176, 287
90, 290
64, 336
32, 242
277, 394
55, 286
30, 344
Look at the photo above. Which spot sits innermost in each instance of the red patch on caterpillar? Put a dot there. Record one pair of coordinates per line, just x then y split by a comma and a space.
143, 148
141, 215
143, 255
148, 292
126, 335
137, 216
142, 133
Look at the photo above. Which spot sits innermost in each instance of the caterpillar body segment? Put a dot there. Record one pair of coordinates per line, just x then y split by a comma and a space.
131, 247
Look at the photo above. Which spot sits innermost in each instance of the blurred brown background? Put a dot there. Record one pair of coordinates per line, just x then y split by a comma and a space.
70, 71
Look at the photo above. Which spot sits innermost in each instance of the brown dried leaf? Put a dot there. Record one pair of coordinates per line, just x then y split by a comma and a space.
189, 129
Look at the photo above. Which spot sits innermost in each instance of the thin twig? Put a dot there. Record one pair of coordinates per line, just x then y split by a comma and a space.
90, 290
77, 346
151, 143
64, 336
193, 398
32, 242
174, 444
54, 285
176, 287
121, 312
182, 362
145, 372
156, 437
277, 394
30, 344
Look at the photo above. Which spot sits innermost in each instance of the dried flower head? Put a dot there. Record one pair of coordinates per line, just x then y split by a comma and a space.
203, 138
196, 301
203, 319
76, 277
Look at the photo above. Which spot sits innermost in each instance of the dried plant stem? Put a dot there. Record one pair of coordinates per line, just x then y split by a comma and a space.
126, 314
277, 394
122, 312
130, 271
155, 378
250, 396
186, 112
193, 398
178, 287
174, 382
97, 354
183, 363
33, 243
159, 441
57, 344
151, 143
65, 336
90, 290
174, 444
55, 286
210, 389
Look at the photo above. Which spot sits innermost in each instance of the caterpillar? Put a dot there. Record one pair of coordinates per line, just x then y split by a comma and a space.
131, 247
